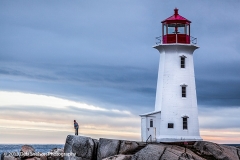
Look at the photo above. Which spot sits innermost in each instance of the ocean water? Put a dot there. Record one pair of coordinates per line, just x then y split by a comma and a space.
43, 148
234, 145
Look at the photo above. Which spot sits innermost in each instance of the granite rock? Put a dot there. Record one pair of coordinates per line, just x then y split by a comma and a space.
82, 147
127, 146
165, 152
27, 151
150, 151
175, 152
220, 152
112, 149
107, 148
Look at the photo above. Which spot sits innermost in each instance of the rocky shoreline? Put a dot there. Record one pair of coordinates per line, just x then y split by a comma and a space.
86, 148
27, 152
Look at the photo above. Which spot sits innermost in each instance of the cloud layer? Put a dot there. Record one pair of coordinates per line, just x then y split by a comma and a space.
31, 113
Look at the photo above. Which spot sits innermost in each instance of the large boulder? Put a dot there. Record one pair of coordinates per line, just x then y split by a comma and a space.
111, 147
80, 148
174, 152
127, 147
27, 151
107, 148
171, 153
150, 151
220, 152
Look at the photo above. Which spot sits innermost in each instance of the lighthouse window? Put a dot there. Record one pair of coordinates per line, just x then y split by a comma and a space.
187, 29
184, 93
170, 125
164, 29
151, 123
181, 29
171, 29
185, 126
182, 62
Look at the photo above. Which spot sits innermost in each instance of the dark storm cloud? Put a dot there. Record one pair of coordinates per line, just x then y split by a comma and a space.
120, 77
218, 93
218, 84
125, 77
121, 85
68, 33
19, 73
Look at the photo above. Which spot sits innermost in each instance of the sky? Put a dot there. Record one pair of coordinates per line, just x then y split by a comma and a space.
93, 61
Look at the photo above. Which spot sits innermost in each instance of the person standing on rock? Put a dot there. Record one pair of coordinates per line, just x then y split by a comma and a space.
76, 127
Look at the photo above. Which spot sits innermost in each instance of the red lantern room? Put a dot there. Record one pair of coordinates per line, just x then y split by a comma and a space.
176, 29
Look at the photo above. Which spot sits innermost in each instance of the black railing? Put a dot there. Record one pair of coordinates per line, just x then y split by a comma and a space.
149, 137
193, 40
159, 40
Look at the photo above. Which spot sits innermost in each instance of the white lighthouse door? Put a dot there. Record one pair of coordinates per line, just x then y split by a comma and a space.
152, 132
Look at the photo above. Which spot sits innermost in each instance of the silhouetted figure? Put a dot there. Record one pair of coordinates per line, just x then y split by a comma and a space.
76, 127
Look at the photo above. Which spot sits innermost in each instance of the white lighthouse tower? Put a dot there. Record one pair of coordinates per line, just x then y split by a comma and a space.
175, 118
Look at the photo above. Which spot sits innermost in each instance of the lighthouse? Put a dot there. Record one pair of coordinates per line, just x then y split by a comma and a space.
175, 118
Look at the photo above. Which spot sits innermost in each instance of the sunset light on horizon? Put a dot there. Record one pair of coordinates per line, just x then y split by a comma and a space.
47, 120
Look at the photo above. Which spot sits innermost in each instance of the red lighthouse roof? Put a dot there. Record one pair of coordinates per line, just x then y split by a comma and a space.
176, 18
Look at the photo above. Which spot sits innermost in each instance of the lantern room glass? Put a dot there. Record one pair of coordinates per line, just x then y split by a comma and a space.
176, 33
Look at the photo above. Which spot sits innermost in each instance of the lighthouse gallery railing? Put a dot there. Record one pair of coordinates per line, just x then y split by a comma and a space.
193, 40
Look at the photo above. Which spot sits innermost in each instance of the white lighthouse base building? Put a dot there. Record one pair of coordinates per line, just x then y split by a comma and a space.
151, 132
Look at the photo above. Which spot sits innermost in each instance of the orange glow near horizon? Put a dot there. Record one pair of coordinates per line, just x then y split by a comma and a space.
50, 123
44, 136
221, 136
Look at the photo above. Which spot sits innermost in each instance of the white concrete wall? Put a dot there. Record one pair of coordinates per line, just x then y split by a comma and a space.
169, 96
144, 128
145, 125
